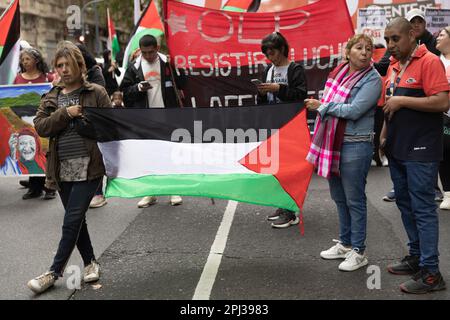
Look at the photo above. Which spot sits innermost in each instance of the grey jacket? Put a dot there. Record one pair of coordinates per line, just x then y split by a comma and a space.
359, 109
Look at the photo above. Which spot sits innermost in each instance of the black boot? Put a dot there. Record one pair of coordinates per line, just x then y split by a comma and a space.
31, 194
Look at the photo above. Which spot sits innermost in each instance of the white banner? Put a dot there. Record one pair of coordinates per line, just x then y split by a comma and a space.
372, 21
437, 19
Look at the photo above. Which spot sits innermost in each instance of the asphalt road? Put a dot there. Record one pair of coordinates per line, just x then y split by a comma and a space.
160, 252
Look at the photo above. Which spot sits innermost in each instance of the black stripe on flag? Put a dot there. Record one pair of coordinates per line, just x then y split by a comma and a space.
160, 124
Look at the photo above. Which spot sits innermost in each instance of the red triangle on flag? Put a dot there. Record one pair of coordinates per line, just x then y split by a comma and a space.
6, 21
151, 18
284, 156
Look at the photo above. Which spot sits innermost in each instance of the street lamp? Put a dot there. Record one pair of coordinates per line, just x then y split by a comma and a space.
97, 44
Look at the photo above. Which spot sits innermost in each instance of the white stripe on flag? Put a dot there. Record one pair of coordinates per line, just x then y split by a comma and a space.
10, 66
156, 157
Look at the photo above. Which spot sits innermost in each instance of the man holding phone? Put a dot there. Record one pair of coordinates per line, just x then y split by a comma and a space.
148, 79
150, 83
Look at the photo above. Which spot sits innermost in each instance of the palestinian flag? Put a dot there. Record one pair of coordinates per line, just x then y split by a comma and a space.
9, 43
210, 4
237, 5
150, 23
228, 153
113, 42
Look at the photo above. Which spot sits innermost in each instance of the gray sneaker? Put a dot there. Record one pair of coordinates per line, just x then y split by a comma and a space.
286, 219
438, 196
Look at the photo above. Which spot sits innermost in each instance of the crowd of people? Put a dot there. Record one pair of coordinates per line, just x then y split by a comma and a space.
408, 87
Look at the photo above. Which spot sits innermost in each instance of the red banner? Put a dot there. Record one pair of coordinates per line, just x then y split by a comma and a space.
221, 51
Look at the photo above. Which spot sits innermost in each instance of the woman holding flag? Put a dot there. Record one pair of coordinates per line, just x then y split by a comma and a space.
341, 148
283, 81
74, 162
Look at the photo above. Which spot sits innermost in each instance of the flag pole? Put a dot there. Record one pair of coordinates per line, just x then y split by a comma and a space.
137, 11
172, 77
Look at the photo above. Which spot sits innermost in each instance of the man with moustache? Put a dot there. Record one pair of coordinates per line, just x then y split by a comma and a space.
416, 95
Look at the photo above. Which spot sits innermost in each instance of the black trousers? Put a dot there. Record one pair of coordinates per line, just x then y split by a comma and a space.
75, 197
37, 184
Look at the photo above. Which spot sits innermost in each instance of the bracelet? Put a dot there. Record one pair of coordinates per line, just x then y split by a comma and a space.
67, 110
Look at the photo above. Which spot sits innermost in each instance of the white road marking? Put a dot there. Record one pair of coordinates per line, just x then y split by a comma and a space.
208, 277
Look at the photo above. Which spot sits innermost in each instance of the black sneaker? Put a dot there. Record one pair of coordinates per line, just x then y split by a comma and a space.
285, 220
31, 194
408, 265
275, 215
424, 281
390, 196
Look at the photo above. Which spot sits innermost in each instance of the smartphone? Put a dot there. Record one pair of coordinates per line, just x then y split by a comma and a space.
256, 81
146, 84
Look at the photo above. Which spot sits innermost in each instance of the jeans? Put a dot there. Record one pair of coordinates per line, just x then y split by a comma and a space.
75, 197
414, 191
349, 194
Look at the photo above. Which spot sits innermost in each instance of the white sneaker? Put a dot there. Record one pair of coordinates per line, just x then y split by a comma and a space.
146, 201
384, 161
92, 272
42, 283
445, 204
338, 251
98, 201
353, 261
176, 200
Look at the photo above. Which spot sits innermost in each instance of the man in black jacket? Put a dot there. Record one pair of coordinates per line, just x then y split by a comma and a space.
148, 83
148, 79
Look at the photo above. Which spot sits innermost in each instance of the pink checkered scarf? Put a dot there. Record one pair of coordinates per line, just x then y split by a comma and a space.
325, 149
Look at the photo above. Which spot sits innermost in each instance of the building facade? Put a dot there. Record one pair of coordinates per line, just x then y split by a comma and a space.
46, 22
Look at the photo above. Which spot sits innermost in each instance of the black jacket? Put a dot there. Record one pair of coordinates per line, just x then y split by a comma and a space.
133, 98
94, 75
111, 82
295, 90
427, 39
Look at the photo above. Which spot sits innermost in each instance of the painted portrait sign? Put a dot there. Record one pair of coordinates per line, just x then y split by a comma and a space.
22, 151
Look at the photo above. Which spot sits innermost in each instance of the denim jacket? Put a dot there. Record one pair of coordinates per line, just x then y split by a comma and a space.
359, 110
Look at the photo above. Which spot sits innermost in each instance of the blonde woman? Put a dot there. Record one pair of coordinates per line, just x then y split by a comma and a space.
74, 165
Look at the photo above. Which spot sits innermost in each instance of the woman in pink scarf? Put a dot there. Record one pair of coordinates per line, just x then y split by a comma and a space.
341, 148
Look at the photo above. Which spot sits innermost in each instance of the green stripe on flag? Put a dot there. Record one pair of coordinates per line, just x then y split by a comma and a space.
115, 47
258, 189
134, 42
234, 9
